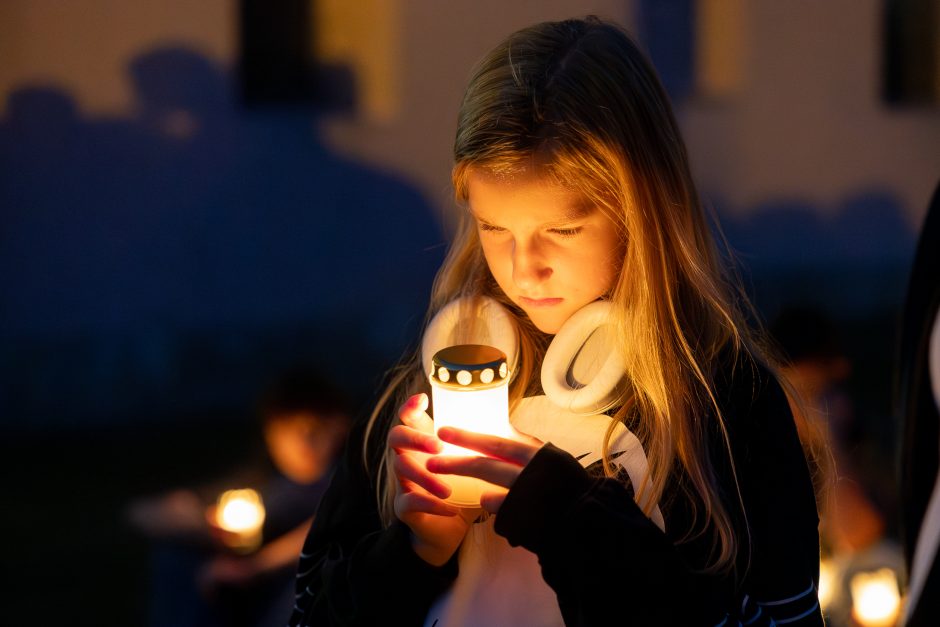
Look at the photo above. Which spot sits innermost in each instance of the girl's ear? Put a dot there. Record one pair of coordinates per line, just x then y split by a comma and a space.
491, 325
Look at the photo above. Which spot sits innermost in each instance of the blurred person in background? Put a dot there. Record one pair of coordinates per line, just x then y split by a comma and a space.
853, 527
201, 574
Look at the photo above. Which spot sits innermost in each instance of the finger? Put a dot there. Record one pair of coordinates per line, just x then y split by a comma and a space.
414, 413
495, 471
417, 420
418, 502
492, 501
527, 439
520, 453
401, 437
406, 467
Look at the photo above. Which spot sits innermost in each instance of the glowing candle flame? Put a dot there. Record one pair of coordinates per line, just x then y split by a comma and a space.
241, 513
876, 599
240, 510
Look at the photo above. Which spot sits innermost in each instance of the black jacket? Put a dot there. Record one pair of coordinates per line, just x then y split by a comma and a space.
920, 422
584, 528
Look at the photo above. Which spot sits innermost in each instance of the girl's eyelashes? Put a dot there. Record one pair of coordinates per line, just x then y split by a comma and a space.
563, 233
566, 233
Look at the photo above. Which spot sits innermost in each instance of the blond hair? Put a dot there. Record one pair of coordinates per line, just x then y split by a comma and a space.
579, 103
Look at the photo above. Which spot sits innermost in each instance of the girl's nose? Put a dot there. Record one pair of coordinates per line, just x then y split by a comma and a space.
529, 268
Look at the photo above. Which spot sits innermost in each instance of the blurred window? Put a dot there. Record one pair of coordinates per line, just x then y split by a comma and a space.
697, 46
911, 69
334, 54
719, 48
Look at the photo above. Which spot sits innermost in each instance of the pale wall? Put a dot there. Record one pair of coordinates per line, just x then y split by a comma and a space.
806, 123
84, 46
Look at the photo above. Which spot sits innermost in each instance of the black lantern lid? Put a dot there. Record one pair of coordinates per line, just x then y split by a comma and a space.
469, 366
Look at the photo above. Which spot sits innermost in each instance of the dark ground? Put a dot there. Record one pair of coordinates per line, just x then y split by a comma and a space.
70, 558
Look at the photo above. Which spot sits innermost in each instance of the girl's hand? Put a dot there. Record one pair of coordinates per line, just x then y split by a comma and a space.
506, 460
437, 527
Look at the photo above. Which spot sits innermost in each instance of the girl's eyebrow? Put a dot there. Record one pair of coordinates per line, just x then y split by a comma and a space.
578, 211
573, 213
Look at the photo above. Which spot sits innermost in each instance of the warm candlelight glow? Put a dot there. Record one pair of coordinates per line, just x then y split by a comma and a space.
876, 599
482, 411
241, 513
827, 583
240, 510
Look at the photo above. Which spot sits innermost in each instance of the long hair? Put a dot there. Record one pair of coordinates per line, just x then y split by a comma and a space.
577, 101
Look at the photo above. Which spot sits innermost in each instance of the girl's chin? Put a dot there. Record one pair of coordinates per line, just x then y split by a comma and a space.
549, 324
550, 320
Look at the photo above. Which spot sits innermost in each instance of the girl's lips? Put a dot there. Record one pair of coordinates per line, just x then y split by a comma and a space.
540, 302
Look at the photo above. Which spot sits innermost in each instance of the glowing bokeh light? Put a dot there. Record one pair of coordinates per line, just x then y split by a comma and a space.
240, 511
876, 599
827, 583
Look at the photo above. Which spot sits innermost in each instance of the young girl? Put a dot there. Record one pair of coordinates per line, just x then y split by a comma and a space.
669, 488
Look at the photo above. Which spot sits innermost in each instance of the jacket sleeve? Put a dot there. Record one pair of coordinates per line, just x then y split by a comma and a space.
355, 571
598, 551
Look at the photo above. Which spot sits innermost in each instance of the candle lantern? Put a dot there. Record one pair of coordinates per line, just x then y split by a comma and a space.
876, 598
470, 390
241, 514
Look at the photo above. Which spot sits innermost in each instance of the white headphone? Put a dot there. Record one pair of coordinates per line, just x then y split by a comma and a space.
602, 391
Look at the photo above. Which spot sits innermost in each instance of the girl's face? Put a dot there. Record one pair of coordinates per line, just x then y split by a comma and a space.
549, 249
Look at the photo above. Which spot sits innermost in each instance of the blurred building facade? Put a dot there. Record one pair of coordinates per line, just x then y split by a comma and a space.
779, 88
782, 106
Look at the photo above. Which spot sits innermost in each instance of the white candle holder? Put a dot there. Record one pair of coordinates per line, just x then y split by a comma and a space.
470, 390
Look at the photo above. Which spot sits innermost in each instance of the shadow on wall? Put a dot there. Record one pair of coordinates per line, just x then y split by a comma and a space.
853, 262
169, 260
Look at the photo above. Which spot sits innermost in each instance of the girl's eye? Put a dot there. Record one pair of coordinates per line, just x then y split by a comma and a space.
566, 233
491, 228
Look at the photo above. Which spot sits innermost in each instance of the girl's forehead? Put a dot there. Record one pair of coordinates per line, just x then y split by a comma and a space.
530, 193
